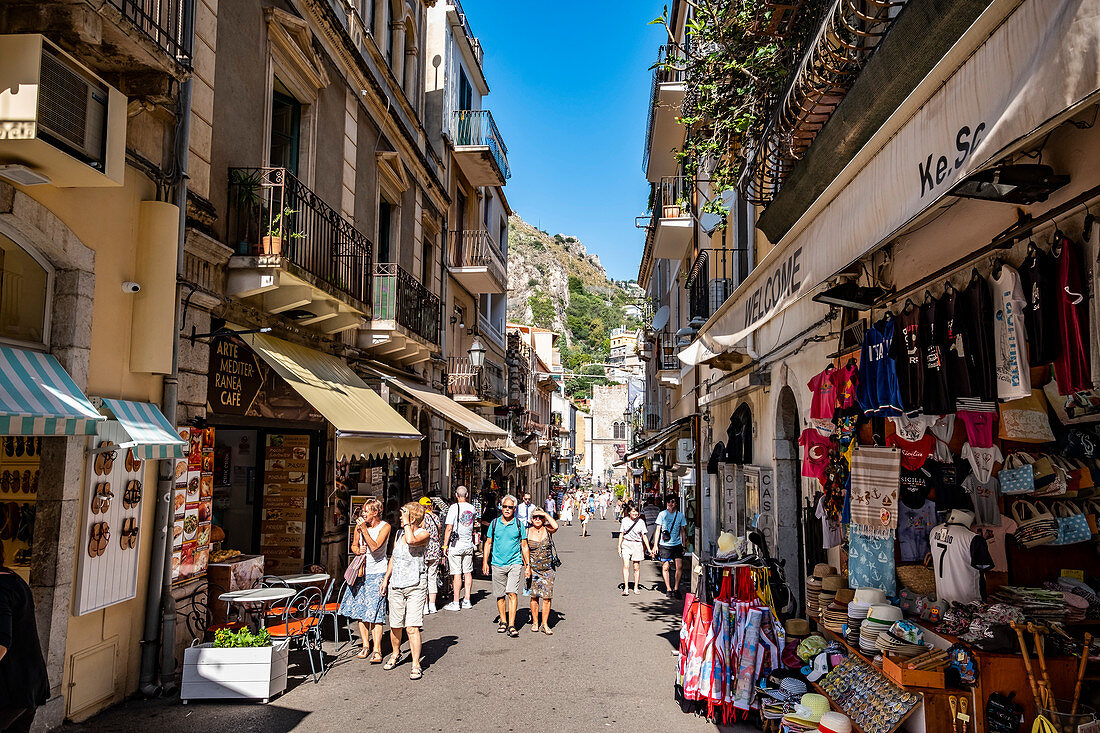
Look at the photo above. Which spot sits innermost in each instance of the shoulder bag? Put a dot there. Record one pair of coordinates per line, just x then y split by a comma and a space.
1017, 475
355, 568
1034, 524
1072, 525
555, 561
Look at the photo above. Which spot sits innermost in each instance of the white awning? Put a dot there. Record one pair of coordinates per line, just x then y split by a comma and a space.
1037, 68
482, 433
146, 430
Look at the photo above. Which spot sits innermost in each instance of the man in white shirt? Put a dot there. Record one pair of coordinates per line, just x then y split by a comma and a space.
550, 506
523, 511
461, 518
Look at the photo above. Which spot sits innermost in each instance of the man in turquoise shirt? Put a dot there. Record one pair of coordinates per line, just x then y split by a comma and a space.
506, 550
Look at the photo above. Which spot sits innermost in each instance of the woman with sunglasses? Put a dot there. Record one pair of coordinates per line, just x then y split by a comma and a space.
540, 547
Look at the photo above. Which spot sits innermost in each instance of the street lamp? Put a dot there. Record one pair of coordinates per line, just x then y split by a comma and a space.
477, 353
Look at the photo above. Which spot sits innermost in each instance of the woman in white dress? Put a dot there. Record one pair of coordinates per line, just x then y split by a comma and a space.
567, 509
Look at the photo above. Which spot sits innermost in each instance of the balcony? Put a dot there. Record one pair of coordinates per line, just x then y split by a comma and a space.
475, 385
668, 363
479, 148
296, 256
474, 260
713, 277
406, 318
672, 222
457, 18
664, 133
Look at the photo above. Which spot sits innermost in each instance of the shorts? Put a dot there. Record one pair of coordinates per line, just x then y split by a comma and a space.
433, 575
407, 605
633, 551
668, 553
460, 561
507, 579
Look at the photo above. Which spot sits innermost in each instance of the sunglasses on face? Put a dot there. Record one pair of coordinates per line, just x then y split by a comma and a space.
507, 506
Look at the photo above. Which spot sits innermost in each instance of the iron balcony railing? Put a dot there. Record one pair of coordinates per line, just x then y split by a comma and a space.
713, 277
484, 383
477, 127
652, 422
672, 197
667, 350
400, 297
166, 22
476, 248
661, 75
272, 212
475, 44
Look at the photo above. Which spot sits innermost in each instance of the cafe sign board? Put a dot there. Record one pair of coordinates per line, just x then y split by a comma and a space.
235, 378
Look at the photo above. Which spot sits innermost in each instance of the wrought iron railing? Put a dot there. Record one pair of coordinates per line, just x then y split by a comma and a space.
652, 422
272, 212
661, 75
712, 279
476, 248
166, 22
400, 297
672, 197
475, 44
485, 383
667, 349
477, 127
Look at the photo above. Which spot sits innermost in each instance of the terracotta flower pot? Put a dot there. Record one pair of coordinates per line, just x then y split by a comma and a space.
670, 212
272, 245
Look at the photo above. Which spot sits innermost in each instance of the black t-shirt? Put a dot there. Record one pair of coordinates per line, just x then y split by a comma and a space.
980, 331
1037, 276
23, 680
952, 312
909, 358
937, 394
914, 487
947, 481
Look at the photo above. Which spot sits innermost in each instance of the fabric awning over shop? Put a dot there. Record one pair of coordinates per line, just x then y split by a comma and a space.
146, 430
482, 433
1036, 69
519, 455
38, 397
660, 440
365, 424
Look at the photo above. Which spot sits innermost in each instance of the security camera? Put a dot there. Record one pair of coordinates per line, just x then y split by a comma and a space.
130, 287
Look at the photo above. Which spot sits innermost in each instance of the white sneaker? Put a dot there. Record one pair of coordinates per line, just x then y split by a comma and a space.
432, 608
452, 606
466, 604
427, 609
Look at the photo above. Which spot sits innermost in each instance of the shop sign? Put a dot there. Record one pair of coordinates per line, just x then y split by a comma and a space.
235, 377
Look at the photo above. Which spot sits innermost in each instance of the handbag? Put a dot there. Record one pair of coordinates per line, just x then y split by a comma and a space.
1034, 524
1056, 485
1017, 475
1091, 510
1043, 471
921, 579
1072, 525
355, 569
555, 561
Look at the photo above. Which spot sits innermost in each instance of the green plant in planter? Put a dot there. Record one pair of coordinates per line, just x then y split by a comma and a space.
273, 240
225, 638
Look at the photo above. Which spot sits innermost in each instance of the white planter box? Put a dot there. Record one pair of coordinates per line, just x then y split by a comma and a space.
256, 673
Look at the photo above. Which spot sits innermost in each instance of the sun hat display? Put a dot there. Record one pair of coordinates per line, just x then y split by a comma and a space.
870, 596
799, 627
790, 689
809, 709
902, 639
810, 647
884, 613
833, 722
845, 595
823, 569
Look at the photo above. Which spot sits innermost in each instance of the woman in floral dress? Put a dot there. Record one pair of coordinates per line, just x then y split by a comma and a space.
541, 550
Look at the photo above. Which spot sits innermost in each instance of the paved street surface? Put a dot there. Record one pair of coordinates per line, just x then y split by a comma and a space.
608, 666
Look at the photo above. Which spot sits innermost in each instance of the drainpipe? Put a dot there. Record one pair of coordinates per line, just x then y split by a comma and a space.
160, 608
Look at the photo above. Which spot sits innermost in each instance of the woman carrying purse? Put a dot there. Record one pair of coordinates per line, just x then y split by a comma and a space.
363, 599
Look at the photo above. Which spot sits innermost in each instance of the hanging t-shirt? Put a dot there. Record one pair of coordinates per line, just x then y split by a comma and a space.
958, 557
877, 387
947, 478
1037, 279
995, 538
981, 460
914, 526
909, 358
980, 338
1071, 367
831, 536
823, 390
844, 382
938, 397
911, 427
913, 453
983, 497
1010, 345
942, 429
914, 487
815, 453
952, 312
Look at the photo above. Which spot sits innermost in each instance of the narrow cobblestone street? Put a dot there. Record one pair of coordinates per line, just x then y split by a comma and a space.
608, 665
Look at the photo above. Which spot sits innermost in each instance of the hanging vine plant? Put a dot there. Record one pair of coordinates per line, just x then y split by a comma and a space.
737, 59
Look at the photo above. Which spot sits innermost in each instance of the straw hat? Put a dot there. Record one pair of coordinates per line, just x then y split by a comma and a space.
870, 595
809, 709
823, 569
833, 583
884, 613
845, 596
832, 722
797, 627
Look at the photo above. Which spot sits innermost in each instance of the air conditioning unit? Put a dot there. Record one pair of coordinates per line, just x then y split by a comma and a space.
57, 117
685, 451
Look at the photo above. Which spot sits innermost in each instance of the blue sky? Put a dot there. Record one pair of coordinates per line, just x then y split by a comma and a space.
569, 86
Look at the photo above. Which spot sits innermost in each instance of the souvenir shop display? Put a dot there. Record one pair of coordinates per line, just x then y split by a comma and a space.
869, 698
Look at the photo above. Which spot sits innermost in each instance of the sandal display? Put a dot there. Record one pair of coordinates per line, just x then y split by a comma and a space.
98, 539
101, 499
27, 476
5, 481
132, 496
127, 539
9, 446
108, 458
133, 463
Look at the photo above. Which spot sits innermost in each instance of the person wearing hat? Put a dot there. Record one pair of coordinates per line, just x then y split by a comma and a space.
434, 552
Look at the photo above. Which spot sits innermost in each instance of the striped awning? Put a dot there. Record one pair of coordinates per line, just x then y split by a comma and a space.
147, 430
38, 397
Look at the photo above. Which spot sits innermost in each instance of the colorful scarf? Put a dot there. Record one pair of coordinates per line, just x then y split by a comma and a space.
874, 492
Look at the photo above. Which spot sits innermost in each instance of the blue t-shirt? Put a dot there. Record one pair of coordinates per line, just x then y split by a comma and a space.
506, 537
671, 522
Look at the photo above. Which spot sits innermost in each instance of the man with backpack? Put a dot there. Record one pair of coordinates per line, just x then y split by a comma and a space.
506, 550
461, 518
672, 527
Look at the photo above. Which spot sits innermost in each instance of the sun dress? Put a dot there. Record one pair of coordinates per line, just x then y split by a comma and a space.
363, 600
542, 569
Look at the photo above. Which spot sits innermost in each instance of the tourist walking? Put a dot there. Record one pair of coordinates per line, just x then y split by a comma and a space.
540, 545
524, 510
584, 513
550, 506
23, 681
567, 509
506, 550
365, 600
605, 499
434, 552
673, 534
406, 585
458, 544
632, 537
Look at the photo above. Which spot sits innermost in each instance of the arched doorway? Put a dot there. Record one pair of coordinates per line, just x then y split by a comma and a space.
788, 494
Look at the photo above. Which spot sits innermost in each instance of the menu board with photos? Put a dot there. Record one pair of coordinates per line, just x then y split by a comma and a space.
192, 505
286, 484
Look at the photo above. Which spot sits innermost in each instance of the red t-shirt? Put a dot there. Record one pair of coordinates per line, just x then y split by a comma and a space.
913, 453
823, 404
844, 382
815, 453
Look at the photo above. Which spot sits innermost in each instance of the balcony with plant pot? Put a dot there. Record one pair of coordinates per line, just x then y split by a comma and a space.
665, 134
479, 148
475, 261
406, 323
672, 221
475, 385
296, 256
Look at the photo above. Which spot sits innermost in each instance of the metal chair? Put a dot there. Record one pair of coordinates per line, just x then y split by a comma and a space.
300, 625
330, 608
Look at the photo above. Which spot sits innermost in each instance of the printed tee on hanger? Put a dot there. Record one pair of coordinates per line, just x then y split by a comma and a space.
952, 311
938, 396
823, 389
909, 358
983, 496
958, 556
982, 460
844, 382
877, 388
1037, 275
914, 526
995, 542
913, 453
942, 429
1011, 363
815, 453
911, 428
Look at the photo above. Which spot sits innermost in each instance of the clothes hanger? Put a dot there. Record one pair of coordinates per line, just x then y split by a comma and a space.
909, 305
997, 265
928, 299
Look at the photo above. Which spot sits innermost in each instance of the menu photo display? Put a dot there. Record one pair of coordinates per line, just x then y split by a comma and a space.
192, 505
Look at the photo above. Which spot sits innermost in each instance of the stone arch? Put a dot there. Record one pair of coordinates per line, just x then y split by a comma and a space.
788, 485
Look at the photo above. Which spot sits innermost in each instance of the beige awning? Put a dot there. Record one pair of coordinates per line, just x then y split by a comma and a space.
482, 433
522, 457
365, 424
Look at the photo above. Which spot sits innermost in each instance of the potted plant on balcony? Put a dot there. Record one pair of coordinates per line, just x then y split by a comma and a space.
675, 210
273, 240
239, 664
